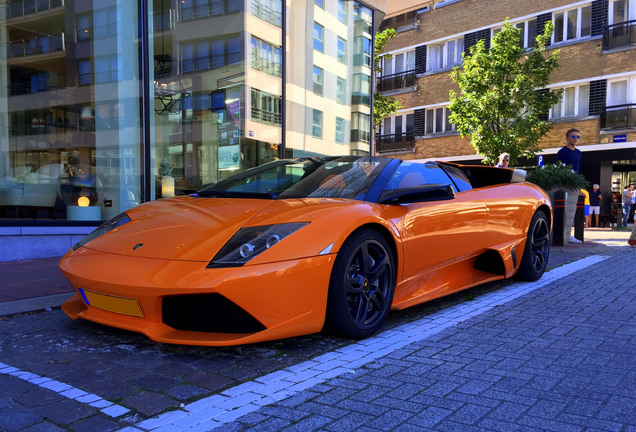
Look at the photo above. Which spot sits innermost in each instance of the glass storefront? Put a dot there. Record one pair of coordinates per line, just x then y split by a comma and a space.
108, 104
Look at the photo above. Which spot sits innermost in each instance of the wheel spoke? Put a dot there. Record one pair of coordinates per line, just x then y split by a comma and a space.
540, 245
361, 308
377, 299
379, 268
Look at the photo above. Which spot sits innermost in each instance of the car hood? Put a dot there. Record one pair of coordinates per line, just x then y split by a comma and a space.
195, 229
183, 228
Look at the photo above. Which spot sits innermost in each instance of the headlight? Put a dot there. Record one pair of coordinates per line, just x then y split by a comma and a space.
109, 225
250, 242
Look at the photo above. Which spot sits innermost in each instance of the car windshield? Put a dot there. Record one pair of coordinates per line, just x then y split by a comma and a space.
320, 177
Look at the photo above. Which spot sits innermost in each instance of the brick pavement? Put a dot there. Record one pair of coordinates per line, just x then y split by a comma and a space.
390, 386
557, 359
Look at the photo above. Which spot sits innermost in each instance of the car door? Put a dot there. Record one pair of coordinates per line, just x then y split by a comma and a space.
437, 234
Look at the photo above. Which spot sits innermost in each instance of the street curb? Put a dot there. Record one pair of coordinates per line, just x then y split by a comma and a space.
33, 304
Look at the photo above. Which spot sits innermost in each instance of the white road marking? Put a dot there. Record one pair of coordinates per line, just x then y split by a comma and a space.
70, 392
214, 411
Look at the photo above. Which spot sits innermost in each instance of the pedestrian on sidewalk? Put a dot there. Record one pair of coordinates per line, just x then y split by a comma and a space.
586, 208
569, 154
628, 196
595, 204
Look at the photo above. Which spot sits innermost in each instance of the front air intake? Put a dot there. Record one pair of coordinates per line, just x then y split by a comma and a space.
211, 313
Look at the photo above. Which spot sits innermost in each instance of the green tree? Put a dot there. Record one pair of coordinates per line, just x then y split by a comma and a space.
383, 106
502, 95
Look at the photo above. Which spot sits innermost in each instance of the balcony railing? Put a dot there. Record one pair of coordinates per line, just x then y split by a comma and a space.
211, 9
36, 45
619, 35
19, 8
619, 117
396, 81
266, 13
268, 66
267, 117
394, 142
358, 135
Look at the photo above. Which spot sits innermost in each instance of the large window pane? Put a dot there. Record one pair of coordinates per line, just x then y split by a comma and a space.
329, 109
211, 121
73, 132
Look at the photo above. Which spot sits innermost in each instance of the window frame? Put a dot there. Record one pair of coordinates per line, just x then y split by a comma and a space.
341, 90
526, 40
575, 102
397, 64
319, 39
449, 58
342, 11
446, 127
564, 37
342, 50
318, 84
340, 130
316, 123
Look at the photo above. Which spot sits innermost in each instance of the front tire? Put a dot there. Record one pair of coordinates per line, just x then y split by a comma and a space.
537, 250
362, 285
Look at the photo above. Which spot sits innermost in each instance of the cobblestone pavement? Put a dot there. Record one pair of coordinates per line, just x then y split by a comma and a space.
556, 358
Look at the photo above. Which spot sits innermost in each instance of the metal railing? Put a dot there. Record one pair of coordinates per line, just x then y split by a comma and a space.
211, 9
394, 142
619, 35
619, 117
20, 8
358, 135
36, 45
266, 13
396, 81
361, 99
268, 117
268, 66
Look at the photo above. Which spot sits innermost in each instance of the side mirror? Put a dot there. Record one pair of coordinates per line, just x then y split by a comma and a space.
431, 192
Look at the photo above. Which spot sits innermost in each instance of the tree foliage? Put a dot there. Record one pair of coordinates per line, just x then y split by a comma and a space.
502, 95
383, 106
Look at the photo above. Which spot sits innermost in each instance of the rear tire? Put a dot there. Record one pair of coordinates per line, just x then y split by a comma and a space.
361, 286
537, 250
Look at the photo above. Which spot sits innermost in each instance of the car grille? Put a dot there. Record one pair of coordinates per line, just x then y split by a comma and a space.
207, 313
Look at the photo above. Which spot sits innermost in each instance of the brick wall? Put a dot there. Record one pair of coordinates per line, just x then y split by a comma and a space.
466, 16
583, 61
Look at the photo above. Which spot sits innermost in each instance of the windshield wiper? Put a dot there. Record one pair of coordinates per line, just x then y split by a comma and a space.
235, 194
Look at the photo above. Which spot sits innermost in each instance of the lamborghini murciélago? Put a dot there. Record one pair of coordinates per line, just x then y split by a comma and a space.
288, 247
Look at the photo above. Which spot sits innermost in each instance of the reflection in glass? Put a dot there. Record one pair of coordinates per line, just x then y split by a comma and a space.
73, 133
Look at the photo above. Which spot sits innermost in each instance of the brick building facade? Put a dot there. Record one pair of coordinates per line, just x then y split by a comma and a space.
597, 70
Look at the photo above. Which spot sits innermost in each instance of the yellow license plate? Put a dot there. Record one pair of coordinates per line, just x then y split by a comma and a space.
120, 305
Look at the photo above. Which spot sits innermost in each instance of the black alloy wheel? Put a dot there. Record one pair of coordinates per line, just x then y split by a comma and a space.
362, 285
537, 250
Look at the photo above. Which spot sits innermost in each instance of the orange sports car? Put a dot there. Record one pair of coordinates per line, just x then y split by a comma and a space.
285, 248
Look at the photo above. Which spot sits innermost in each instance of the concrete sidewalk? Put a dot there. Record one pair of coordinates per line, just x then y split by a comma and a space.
38, 284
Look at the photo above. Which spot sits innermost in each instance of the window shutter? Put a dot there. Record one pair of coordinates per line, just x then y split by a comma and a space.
471, 40
419, 122
546, 115
541, 20
599, 16
420, 59
598, 95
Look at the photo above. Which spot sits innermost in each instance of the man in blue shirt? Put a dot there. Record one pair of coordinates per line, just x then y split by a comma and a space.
569, 154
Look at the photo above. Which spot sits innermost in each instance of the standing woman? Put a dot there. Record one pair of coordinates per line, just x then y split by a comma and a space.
504, 160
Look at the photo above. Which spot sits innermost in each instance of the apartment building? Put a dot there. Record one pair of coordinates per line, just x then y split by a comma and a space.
105, 105
597, 71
